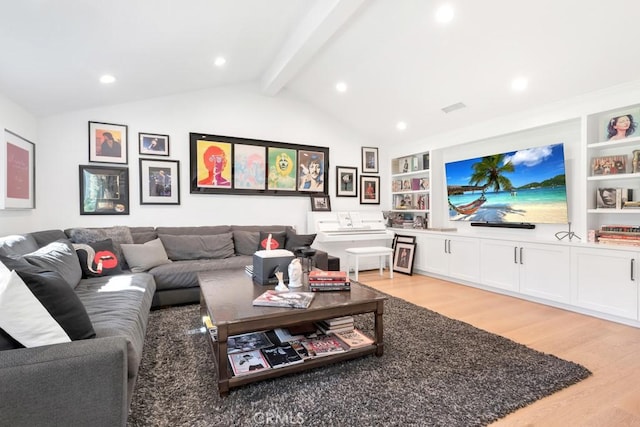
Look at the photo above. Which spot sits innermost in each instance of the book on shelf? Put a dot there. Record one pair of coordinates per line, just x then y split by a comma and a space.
415, 184
291, 299
324, 345
321, 275
342, 320
621, 228
248, 342
248, 362
354, 338
622, 242
327, 329
333, 288
281, 355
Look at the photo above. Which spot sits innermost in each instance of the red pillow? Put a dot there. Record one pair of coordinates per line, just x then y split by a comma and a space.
277, 240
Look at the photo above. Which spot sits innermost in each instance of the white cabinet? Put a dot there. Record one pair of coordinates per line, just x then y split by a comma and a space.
453, 256
606, 280
535, 269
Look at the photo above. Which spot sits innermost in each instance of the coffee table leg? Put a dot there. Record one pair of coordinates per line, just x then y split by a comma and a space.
379, 328
223, 361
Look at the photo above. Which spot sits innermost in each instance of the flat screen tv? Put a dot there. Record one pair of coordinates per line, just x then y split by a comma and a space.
525, 186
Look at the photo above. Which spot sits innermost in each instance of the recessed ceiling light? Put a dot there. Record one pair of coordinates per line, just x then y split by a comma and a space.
401, 125
220, 61
519, 84
444, 14
107, 78
341, 87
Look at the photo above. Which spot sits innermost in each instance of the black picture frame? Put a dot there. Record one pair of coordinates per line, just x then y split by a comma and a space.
320, 203
403, 257
153, 144
400, 238
159, 182
98, 133
369, 190
104, 190
233, 165
369, 160
346, 181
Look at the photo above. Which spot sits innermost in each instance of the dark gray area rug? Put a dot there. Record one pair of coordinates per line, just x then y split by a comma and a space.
435, 371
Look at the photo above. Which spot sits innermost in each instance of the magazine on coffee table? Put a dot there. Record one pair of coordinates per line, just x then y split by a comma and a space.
248, 342
290, 299
248, 362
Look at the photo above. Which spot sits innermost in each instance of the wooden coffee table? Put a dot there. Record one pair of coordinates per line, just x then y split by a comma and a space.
226, 296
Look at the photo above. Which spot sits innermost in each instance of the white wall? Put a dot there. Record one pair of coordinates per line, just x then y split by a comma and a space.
16, 119
232, 111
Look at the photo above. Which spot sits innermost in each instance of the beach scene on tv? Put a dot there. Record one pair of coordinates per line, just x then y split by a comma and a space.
524, 186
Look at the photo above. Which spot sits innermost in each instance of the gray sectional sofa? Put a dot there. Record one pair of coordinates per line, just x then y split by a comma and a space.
91, 381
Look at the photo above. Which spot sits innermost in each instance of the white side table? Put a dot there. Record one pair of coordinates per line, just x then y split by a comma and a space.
379, 251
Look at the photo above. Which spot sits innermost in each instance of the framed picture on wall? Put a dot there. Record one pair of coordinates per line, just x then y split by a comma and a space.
231, 165
108, 143
104, 190
369, 190
152, 144
346, 181
17, 172
369, 160
320, 203
159, 182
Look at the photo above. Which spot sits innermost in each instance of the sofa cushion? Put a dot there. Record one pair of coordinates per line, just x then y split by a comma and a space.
17, 244
246, 242
98, 259
41, 309
277, 239
195, 231
184, 274
58, 256
145, 256
297, 240
198, 247
119, 306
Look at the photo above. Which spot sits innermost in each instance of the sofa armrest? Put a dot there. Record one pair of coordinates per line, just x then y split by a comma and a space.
321, 260
76, 383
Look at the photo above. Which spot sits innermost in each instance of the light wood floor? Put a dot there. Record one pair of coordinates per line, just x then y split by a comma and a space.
611, 351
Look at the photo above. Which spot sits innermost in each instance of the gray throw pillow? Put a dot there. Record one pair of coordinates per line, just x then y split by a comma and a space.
198, 247
118, 234
246, 242
58, 256
143, 257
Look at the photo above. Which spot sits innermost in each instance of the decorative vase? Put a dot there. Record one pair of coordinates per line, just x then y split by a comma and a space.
295, 273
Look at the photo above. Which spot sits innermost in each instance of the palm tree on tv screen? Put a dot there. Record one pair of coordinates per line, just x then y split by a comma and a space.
489, 173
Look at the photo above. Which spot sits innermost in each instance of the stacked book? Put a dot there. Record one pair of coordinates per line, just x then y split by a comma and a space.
320, 280
619, 235
336, 324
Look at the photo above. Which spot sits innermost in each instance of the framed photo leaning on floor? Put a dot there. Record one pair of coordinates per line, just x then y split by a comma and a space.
403, 256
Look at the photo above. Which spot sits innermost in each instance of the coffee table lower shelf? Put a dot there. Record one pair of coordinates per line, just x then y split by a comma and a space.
300, 367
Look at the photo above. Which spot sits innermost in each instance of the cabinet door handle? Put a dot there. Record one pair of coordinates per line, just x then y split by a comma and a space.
515, 254
449, 245
521, 248
633, 275
445, 246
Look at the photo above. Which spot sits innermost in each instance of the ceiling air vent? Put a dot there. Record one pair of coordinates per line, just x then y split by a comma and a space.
453, 107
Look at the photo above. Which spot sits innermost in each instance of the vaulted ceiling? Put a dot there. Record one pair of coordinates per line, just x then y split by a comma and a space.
397, 61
